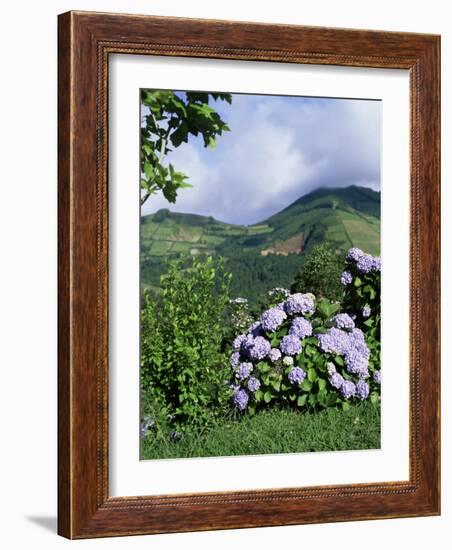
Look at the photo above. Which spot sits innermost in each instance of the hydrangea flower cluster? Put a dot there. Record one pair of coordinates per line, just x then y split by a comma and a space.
274, 355
366, 311
364, 264
272, 319
299, 303
254, 346
244, 370
296, 375
290, 345
241, 399
287, 361
362, 389
253, 384
348, 389
349, 344
346, 278
300, 328
344, 321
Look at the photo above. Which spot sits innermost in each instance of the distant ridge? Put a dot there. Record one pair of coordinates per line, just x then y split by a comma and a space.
347, 216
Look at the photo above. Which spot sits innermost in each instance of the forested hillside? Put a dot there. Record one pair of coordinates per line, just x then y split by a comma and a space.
269, 253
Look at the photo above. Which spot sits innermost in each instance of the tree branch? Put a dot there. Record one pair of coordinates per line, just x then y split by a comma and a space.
164, 139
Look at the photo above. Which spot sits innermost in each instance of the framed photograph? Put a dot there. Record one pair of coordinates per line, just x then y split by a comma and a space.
248, 275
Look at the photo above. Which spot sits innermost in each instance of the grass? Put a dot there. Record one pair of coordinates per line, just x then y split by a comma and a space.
275, 431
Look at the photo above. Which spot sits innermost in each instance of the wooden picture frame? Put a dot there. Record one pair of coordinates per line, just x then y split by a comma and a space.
86, 40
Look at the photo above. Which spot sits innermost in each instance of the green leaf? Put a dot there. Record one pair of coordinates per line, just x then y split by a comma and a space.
357, 282
301, 401
263, 367
374, 398
267, 397
321, 383
306, 385
148, 170
331, 399
312, 375
345, 406
258, 395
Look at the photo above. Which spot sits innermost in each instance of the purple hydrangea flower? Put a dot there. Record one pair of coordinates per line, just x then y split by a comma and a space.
274, 355
235, 359
377, 263
346, 278
365, 263
362, 389
334, 340
348, 389
344, 321
300, 327
296, 375
290, 345
244, 370
357, 362
287, 361
237, 343
366, 311
336, 380
330, 367
354, 254
259, 349
299, 303
272, 319
351, 345
241, 399
377, 376
253, 384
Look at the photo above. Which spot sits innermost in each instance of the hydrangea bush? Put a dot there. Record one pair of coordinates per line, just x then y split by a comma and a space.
312, 352
362, 289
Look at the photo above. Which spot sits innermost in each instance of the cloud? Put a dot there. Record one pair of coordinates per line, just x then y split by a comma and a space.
279, 148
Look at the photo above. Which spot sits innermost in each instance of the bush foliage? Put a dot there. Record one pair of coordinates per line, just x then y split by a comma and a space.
320, 273
181, 334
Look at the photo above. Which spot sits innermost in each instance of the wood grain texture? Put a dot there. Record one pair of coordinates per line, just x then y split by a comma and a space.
85, 42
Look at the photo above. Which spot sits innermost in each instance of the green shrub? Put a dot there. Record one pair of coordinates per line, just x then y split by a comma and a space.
181, 334
320, 273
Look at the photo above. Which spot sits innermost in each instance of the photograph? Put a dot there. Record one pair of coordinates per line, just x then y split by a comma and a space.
260, 274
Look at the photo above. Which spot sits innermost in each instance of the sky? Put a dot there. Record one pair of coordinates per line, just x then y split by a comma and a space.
279, 148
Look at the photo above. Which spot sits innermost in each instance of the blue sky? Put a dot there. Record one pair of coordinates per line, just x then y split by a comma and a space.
279, 148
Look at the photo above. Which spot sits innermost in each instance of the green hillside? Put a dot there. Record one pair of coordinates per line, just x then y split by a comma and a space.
268, 253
